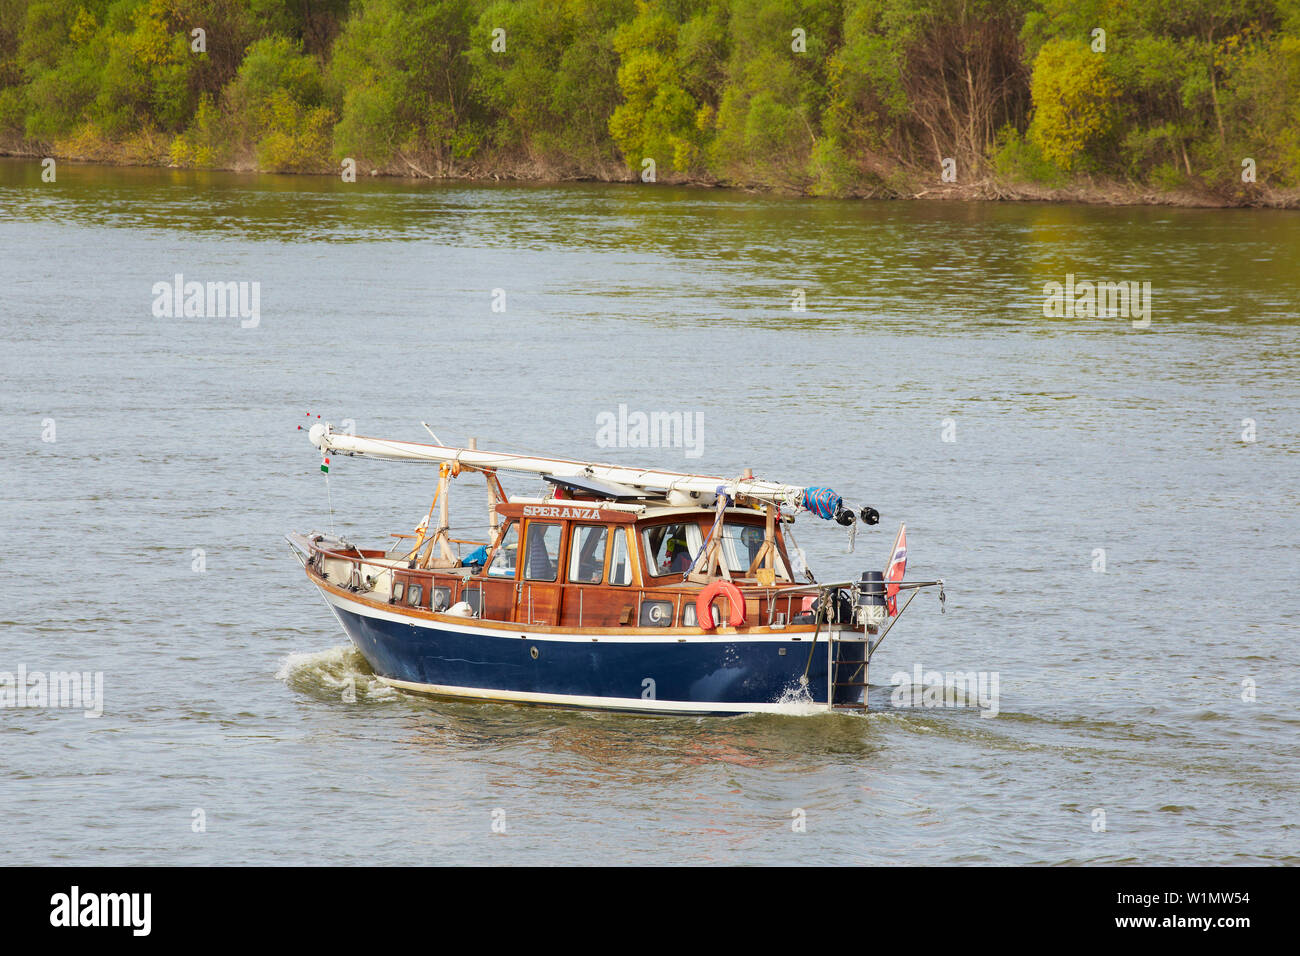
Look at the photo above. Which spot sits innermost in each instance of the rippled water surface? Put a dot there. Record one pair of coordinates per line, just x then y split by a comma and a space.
1077, 440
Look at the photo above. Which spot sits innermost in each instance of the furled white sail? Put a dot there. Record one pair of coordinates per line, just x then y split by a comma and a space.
673, 485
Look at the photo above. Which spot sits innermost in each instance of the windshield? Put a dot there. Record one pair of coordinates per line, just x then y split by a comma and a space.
670, 548
503, 561
740, 546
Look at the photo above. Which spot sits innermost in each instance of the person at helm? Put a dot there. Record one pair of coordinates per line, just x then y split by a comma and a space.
677, 555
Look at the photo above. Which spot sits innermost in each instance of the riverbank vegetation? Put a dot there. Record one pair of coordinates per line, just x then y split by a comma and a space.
1152, 101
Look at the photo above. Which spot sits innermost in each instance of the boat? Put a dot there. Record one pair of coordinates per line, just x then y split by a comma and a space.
618, 588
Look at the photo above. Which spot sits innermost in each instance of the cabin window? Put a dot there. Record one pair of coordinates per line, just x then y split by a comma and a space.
671, 548
413, 594
587, 554
398, 589
741, 544
542, 556
503, 560
474, 598
620, 568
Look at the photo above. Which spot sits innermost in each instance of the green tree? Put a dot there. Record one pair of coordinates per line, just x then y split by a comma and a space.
552, 88
400, 76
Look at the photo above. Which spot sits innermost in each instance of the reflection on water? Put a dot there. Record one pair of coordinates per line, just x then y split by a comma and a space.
865, 265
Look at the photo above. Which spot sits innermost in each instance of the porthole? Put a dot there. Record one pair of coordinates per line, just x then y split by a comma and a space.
441, 598
533, 652
657, 614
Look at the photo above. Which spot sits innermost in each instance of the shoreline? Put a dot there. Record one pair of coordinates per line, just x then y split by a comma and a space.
988, 189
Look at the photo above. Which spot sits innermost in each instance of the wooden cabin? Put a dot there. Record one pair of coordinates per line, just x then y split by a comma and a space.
569, 562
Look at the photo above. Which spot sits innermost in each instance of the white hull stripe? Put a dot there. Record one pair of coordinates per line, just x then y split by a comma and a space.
611, 703
723, 636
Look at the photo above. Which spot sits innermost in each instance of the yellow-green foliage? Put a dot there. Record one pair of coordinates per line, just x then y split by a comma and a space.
1261, 109
272, 111
275, 100
201, 144
294, 138
1074, 100
657, 118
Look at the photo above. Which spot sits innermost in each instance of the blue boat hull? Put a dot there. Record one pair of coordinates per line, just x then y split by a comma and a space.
701, 674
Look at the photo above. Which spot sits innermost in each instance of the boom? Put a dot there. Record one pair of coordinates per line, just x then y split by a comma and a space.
676, 487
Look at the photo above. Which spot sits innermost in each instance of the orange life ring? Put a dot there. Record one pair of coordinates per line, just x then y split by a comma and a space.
704, 605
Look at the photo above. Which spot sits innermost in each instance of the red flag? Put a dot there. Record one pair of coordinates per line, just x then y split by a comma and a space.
894, 571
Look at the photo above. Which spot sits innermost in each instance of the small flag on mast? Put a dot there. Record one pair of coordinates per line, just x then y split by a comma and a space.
325, 465
895, 570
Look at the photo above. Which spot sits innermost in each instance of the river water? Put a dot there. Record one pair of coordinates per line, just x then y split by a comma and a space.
1113, 508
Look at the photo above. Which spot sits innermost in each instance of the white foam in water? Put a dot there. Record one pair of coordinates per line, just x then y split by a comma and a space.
331, 673
796, 701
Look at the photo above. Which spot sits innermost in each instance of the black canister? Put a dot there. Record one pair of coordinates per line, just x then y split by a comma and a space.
871, 592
